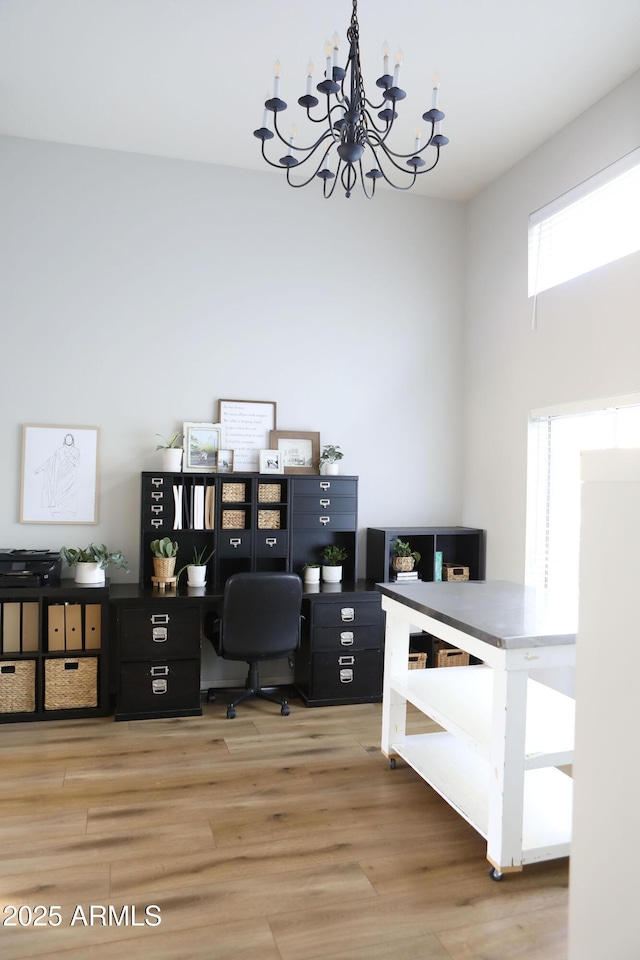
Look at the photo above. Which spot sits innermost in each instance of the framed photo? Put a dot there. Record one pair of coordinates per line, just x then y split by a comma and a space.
247, 425
225, 461
300, 450
59, 474
271, 461
201, 444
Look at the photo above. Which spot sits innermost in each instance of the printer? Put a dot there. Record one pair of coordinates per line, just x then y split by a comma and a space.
29, 568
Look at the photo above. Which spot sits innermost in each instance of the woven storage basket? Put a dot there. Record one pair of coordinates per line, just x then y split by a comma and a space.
269, 492
452, 657
70, 683
164, 566
233, 492
268, 519
233, 519
417, 661
18, 686
403, 563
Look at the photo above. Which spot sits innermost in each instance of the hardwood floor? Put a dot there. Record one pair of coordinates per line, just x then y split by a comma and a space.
279, 838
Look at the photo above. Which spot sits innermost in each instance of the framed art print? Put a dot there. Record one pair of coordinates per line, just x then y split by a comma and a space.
59, 474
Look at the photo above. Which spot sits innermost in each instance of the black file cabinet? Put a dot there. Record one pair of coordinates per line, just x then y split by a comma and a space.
158, 660
340, 659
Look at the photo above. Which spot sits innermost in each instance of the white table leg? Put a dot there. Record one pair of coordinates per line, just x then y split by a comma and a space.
396, 658
506, 776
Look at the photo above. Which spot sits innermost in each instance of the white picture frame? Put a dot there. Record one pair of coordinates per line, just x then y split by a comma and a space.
247, 425
201, 444
271, 461
59, 474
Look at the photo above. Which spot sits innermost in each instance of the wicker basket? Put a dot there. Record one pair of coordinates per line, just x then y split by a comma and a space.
70, 683
18, 686
417, 661
403, 564
269, 493
454, 572
233, 520
233, 492
268, 519
164, 567
452, 657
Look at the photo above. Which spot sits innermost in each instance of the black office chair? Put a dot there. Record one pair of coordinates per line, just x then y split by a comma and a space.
260, 621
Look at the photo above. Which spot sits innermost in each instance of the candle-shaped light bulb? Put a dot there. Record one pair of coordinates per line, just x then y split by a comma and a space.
309, 76
385, 59
335, 41
416, 145
292, 139
277, 70
329, 59
434, 92
265, 115
396, 71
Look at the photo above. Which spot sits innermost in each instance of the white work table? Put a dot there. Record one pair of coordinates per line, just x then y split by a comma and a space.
503, 732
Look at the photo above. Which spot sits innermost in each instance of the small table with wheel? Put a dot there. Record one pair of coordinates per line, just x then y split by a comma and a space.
503, 733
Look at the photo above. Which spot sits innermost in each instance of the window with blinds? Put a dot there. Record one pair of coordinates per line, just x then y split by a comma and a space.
595, 223
556, 440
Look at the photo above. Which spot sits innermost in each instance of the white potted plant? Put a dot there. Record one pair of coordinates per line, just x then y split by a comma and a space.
171, 452
91, 562
329, 459
333, 557
197, 569
311, 573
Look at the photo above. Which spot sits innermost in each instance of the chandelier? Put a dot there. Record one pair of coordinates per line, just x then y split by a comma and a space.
352, 141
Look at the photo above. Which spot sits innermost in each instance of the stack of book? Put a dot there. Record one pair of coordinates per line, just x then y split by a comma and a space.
404, 576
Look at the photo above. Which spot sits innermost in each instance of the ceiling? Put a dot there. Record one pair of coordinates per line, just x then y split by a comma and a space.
187, 78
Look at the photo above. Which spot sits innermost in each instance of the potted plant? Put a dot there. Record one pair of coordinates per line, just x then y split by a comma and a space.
92, 561
333, 557
171, 452
164, 552
329, 459
404, 557
197, 569
311, 573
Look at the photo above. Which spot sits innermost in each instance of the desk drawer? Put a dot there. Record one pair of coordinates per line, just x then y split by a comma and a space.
347, 677
271, 543
345, 638
323, 504
159, 630
324, 487
234, 543
325, 521
158, 686
347, 612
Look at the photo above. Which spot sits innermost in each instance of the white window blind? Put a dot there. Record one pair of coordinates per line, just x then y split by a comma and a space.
593, 224
553, 499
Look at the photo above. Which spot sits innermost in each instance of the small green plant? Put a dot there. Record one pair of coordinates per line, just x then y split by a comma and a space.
330, 454
200, 559
94, 553
401, 548
174, 441
334, 555
311, 566
164, 548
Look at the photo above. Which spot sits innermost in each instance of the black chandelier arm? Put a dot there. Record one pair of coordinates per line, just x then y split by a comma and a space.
415, 172
308, 150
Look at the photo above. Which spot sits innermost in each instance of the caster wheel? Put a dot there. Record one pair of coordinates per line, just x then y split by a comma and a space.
392, 763
495, 874
211, 696
285, 710
231, 713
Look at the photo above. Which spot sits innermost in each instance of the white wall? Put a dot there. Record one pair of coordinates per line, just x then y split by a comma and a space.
587, 342
137, 291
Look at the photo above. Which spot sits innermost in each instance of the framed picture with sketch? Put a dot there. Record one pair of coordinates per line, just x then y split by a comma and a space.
59, 474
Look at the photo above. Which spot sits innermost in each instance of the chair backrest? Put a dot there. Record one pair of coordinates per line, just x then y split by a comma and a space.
260, 616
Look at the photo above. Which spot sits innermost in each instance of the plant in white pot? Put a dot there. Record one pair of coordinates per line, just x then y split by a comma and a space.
333, 557
197, 569
91, 562
329, 459
311, 573
171, 452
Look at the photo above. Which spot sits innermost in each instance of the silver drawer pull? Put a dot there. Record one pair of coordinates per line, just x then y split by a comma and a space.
158, 686
325, 484
157, 481
346, 638
160, 671
346, 675
157, 495
325, 503
159, 618
271, 542
346, 661
156, 523
347, 614
159, 634
156, 508
324, 520
235, 542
